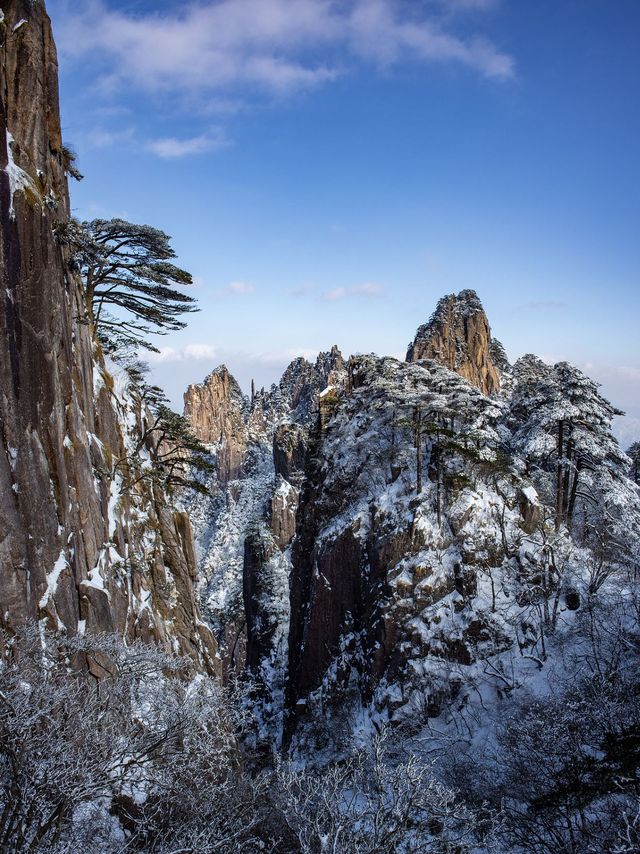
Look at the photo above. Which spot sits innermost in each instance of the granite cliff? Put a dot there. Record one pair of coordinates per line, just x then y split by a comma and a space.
459, 336
84, 546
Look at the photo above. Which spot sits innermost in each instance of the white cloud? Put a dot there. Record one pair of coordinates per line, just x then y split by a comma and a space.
279, 358
171, 147
276, 46
199, 351
367, 289
238, 288
101, 137
188, 352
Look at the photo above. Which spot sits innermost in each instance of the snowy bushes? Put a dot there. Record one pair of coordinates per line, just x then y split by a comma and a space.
374, 803
145, 760
560, 761
133, 761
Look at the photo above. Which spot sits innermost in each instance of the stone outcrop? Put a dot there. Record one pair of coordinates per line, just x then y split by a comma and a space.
259, 549
382, 572
261, 445
284, 506
217, 411
77, 549
458, 335
290, 451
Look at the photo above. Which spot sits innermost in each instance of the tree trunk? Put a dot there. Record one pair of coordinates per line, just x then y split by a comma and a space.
418, 428
574, 492
559, 473
567, 474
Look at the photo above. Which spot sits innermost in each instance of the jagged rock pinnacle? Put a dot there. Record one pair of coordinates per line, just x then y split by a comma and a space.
216, 409
458, 335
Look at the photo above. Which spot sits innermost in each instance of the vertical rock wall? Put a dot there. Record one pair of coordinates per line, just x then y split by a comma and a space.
216, 409
75, 549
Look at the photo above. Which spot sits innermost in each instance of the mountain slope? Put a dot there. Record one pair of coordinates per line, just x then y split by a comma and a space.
403, 538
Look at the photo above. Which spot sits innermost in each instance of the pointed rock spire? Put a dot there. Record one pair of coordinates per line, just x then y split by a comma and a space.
459, 336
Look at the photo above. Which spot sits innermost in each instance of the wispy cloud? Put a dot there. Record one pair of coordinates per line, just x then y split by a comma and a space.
299, 291
190, 352
167, 148
101, 137
238, 289
469, 5
367, 289
170, 148
278, 358
212, 47
627, 430
335, 294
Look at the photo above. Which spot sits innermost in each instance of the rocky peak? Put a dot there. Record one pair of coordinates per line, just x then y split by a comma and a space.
216, 409
302, 382
459, 336
330, 365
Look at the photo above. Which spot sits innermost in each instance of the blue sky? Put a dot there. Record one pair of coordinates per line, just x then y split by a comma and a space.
329, 169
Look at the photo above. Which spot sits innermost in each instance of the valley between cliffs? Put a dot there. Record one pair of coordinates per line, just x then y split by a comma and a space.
383, 605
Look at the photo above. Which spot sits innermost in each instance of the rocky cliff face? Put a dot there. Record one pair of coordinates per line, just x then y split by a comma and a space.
373, 554
458, 336
78, 548
216, 409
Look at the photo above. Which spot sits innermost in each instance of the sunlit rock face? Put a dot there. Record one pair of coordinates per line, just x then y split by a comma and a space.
217, 410
81, 547
458, 335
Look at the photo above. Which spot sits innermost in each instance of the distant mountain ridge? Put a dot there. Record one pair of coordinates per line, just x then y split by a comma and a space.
387, 519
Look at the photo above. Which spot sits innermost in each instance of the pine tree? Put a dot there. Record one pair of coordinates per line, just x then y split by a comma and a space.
178, 458
129, 281
634, 455
564, 424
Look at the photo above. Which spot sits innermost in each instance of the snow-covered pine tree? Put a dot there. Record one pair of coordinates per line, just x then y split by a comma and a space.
633, 453
563, 425
129, 281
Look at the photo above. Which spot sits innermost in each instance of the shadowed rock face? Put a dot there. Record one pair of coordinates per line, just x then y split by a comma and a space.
258, 550
70, 551
261, 445
289, 451
458, 335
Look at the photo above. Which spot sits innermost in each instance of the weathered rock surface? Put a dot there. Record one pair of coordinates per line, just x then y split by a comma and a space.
290, 451
415, 558
217, 410
75, 547
259, 549
458, 335
382, 572
284, 506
